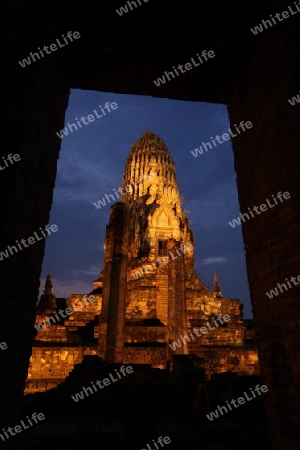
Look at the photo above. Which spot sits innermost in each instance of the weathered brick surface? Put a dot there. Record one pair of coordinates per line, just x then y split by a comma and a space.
36, 109
144, 334
218, 359
50, 366
267, 160
145, 355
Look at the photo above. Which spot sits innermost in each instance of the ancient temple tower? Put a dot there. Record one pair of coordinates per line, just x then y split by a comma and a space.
148, 250
151, 293
149, 303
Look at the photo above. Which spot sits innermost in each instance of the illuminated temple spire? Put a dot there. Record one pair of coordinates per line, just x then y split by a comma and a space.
150, 171
48, 289
47, 303
148, 243
217, 290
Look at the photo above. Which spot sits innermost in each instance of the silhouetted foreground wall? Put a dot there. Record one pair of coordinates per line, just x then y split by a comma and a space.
255, 75
267, 163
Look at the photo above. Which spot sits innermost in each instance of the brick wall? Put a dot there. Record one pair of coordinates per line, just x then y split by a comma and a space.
36, 103
50, 366
267, 161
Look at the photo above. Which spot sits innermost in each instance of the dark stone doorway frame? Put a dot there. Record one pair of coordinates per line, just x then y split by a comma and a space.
253, 75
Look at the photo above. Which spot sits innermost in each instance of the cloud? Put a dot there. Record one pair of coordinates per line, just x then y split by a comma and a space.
214, 260
84, 176
93, 270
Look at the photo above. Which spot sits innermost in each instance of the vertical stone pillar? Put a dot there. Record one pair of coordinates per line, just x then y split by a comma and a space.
107, 269
267, 161
36, 98
112, 320
177, 325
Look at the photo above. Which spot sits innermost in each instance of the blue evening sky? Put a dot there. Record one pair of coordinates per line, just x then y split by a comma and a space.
92, 162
